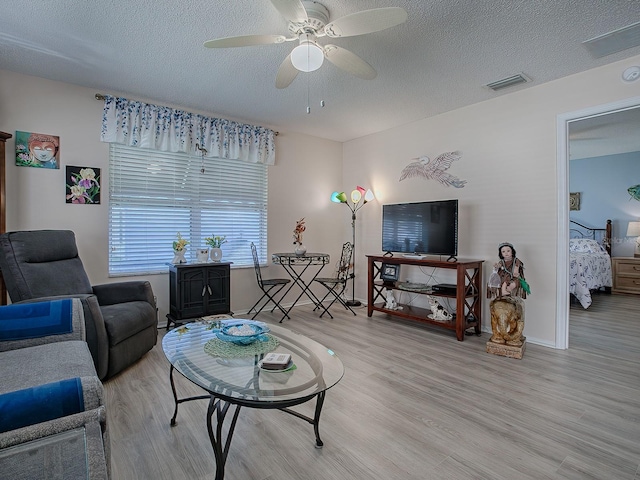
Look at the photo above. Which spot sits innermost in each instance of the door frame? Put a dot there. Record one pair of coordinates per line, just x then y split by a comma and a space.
563, 121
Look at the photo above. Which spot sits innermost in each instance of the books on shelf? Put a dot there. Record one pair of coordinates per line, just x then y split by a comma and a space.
276, 361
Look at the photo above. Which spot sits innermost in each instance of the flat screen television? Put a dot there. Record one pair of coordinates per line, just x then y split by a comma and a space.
422, 228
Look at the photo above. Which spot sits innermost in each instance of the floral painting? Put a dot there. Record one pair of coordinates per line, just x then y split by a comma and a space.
83, 185
38, 150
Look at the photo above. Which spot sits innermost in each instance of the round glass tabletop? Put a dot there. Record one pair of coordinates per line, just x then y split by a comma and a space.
232, 372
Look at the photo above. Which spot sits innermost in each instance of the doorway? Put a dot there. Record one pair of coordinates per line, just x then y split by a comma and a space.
564, 129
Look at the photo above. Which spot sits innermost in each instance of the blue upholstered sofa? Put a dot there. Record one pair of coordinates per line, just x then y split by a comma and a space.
52, 412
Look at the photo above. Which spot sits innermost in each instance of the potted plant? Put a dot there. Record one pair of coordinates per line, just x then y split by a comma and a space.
216, 242
179, 249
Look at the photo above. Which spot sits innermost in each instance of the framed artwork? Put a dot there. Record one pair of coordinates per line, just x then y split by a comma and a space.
574, 201
390, 272
38, 150
83, 185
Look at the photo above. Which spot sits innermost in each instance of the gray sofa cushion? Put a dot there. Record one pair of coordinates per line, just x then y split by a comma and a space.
33, 366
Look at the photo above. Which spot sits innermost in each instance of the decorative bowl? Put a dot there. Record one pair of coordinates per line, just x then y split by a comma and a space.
242, 333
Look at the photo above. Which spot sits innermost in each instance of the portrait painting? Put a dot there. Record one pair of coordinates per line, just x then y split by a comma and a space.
39, 150
83, 185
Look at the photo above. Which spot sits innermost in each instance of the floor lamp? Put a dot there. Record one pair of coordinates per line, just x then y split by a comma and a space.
359, 197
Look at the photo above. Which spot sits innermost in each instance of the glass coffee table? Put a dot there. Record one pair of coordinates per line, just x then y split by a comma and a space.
232, 376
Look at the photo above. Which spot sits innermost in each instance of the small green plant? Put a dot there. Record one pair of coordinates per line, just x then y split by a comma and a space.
181, 243
215, 241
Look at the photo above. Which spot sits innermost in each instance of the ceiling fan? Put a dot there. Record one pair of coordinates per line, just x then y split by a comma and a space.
308, 21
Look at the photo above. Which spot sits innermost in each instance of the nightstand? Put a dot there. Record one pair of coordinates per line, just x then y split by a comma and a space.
626, 275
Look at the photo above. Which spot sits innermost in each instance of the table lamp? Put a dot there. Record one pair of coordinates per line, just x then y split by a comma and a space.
634, 231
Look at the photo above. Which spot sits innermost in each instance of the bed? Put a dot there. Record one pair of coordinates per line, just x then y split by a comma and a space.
589, 261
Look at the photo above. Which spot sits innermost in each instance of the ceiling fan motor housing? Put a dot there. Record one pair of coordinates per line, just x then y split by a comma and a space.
318, 18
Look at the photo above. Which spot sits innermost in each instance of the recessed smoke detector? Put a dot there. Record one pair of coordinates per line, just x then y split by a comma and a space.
508, 82
615, 41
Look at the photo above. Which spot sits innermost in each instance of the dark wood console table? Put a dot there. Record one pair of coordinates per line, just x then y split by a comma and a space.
468, 292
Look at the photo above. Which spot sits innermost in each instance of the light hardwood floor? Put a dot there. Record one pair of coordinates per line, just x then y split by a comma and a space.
414, 404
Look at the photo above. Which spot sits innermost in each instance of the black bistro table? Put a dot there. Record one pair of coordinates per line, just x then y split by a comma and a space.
296, 265
232, 378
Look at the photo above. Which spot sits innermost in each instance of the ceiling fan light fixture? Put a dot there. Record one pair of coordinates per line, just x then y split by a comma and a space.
308, 56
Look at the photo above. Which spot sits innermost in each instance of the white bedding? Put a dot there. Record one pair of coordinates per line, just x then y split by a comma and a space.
589, 269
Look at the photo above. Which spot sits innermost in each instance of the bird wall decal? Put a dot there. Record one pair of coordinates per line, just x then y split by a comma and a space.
434, 170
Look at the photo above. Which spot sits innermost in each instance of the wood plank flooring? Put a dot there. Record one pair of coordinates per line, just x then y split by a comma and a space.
414, 404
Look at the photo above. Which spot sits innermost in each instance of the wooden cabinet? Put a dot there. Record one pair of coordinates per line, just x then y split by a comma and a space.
468, 293
197, 290
626, 275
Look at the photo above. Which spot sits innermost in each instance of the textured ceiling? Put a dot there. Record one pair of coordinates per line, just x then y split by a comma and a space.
437, 61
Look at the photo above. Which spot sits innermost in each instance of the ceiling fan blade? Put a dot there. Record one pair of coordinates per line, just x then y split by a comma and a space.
245, 41
287, 73
291, 10
349, 62
366, 21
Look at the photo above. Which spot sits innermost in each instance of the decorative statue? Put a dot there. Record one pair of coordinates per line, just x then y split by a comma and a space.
507, 287
391, 303
438, 312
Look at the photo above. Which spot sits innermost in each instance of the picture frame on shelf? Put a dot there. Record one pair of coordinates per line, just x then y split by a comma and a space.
390, 272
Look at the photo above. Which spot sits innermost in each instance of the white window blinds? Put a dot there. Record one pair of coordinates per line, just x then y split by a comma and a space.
154, 195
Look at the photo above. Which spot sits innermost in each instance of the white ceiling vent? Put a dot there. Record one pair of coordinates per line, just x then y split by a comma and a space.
508, 82
615, 41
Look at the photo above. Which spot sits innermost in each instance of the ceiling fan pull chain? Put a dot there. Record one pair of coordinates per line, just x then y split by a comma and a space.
308, 95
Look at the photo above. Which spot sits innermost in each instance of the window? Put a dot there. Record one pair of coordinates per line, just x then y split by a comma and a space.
153, 195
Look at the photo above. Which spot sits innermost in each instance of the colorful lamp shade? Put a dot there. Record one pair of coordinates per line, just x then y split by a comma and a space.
369, 196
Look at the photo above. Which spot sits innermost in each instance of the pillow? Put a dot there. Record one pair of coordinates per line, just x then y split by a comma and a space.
585, 245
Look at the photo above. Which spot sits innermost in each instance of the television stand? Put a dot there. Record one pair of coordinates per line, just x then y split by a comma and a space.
468, 293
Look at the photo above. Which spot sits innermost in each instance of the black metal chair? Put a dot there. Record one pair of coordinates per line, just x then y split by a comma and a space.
270, 288
336, 284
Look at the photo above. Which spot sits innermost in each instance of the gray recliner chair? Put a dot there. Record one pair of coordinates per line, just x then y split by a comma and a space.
120, 318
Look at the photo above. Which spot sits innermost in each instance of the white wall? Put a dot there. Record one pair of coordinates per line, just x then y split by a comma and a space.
508, 149
603, 183
35, 197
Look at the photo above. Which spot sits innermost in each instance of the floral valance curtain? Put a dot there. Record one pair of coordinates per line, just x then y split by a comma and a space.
143, 125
